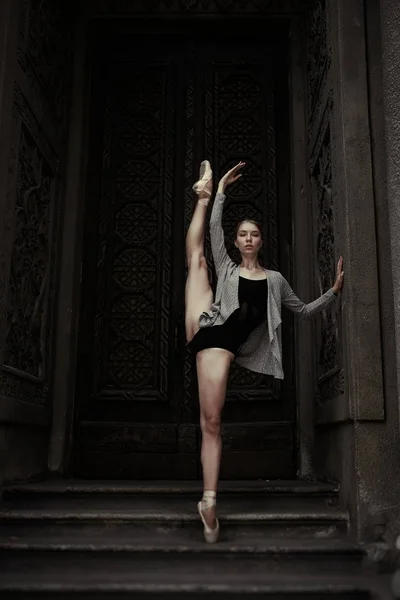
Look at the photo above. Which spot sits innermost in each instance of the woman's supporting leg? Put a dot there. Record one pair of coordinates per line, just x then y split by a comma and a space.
212, 372
198, 293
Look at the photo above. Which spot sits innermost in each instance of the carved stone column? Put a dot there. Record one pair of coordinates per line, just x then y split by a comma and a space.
363, 441
390, 26
8, 37
35, 48
8, 41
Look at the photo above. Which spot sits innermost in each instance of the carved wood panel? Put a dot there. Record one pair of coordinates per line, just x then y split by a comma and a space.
45, 53
132, 311
26, 342
35, 188
160, 116
239, 111
189, 7
329, 371
319, 55
188, 410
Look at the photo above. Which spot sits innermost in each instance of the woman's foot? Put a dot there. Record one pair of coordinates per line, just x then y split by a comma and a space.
203, 187
206, 508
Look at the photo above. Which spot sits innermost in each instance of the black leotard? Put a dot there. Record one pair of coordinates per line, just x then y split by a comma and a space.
253, 297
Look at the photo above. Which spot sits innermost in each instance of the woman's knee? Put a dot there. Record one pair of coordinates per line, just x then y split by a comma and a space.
210, 424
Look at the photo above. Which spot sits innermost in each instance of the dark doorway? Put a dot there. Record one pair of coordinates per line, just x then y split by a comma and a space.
159, 105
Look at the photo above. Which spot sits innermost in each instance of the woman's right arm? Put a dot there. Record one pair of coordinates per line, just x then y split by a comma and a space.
220, 255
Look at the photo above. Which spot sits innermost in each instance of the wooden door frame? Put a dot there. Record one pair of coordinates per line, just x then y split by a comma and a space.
68, 310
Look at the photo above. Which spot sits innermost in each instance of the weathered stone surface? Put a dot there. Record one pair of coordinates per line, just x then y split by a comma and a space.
62, 487
390, 23
359, 445
279, 540
34, 82
22, 456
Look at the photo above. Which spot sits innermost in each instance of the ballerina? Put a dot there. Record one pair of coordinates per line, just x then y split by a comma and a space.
242, 324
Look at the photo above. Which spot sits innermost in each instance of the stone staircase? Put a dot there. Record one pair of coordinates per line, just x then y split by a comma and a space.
143, 540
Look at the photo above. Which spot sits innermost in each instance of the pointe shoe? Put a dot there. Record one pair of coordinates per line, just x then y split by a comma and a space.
205, 178
209, 499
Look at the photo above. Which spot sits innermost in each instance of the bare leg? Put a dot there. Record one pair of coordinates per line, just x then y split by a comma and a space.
198, 293
212, 370
195, 233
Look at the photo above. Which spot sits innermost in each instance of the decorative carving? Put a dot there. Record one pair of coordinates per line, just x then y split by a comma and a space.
245, 385
45, 52
21, 387
131, 361
131, 328
26, 336
36, 196
134, 300
325, 241
134, 244
128, 218
329, 384
239, 109
240, 92
321, 128
136, 178
211, 149
34, 193
235, 135
197, 6
325, 253
188, 379
319, 53
105, 200
130, 439
126, 272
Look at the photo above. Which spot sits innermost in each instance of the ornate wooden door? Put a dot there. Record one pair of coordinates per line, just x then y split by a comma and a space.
159, 105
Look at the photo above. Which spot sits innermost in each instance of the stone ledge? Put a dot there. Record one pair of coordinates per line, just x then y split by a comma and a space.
64, 486
336, 410
158, 575
177, 542
17, 411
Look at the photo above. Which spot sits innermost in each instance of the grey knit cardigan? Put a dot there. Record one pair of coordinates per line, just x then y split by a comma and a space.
262, 351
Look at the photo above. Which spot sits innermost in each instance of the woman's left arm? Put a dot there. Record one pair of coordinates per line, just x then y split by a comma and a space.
220, 255
306, 311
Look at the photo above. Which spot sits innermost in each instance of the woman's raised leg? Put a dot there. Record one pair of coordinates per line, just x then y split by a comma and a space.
212, 373
198, 292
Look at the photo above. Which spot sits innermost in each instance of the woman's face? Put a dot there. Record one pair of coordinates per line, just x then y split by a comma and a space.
248, 239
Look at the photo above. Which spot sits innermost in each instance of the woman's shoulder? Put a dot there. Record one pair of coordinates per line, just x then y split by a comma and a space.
275, 278
274, 275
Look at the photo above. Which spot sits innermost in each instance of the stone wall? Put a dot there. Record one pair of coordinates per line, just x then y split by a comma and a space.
357, 439
35, 79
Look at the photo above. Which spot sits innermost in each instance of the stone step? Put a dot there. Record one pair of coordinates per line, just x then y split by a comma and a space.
189, 526
273, 591
71, 487
239, 515
58, 539
173, 506
274, 558
216, 575
110, 540
176, 503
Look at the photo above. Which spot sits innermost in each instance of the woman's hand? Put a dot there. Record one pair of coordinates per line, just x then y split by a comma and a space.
339, 276
230, 177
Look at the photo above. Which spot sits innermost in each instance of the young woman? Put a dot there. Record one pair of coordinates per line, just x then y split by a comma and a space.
242, 324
